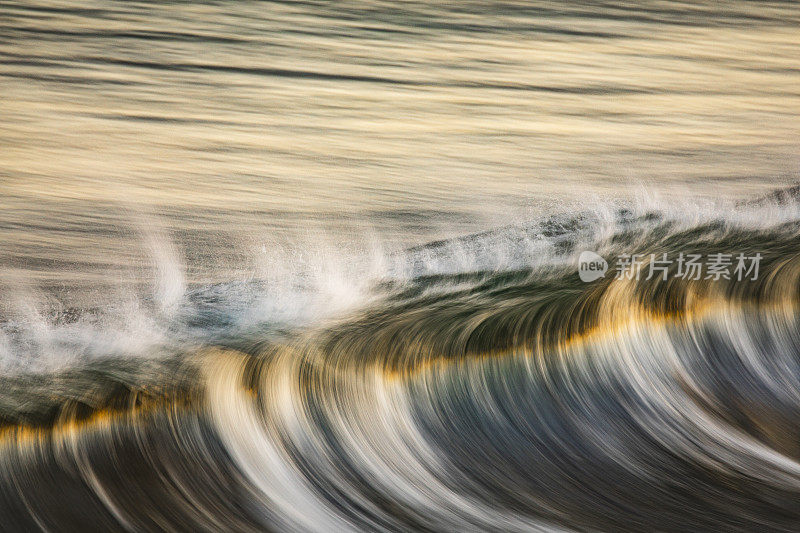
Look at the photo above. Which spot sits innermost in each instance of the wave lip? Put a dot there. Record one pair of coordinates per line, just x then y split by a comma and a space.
496, 397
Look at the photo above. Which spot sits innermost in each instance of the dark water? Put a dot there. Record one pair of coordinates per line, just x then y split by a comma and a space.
311, 266
460, 393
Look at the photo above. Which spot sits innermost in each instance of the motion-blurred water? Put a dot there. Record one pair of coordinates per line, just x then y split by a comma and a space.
239, 124
311, 266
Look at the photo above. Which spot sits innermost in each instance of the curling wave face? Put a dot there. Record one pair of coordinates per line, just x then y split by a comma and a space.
512, 398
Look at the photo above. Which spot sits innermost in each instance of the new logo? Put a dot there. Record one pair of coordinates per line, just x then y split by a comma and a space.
591, 266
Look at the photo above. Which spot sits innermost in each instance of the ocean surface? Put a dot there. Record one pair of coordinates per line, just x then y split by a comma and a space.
236, 124
313, 266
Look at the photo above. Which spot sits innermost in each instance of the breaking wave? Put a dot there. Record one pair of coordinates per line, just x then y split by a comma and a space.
473, 384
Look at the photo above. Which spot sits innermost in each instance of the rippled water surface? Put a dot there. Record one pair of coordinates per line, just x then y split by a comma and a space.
282, 117
311, 266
